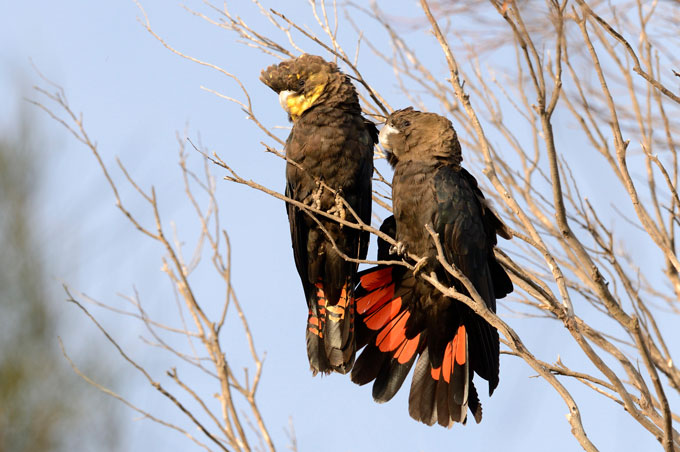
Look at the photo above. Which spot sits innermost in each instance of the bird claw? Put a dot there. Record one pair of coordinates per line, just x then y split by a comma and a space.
399, 249
316, 196
339, 208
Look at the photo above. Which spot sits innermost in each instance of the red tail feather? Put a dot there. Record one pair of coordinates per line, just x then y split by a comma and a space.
381, 312
407, 350
438, 394
455, 353
389, 354
452, 383
374, 279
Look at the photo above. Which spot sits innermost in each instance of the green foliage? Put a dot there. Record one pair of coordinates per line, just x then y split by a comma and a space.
43, 404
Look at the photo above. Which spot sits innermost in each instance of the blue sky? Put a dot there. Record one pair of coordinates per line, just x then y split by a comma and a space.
135, 95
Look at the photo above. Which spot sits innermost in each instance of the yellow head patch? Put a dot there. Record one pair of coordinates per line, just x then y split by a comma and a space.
296, 104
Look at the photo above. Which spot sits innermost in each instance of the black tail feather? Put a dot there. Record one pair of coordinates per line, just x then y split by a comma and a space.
330, 332
474, 403
391, 377
316, 350
368, 365
421, 399
442, 394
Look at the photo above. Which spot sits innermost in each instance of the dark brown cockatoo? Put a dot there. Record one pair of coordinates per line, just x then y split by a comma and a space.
400, 316
330, 163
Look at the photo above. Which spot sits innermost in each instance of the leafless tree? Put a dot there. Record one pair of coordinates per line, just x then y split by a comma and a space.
235, 423
607, 72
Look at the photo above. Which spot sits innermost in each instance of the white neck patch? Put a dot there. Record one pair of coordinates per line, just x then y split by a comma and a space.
283, 99
384, 136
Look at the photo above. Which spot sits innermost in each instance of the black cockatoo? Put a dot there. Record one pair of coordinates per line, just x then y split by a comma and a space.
330, 153
400, 315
